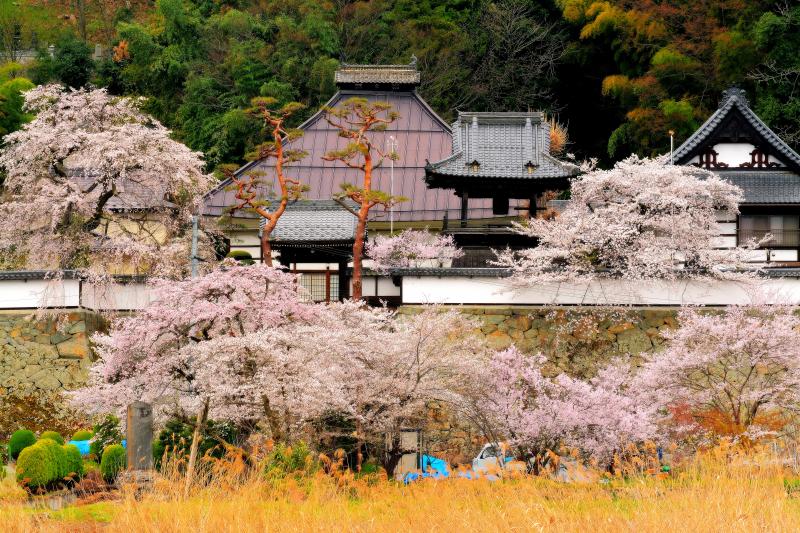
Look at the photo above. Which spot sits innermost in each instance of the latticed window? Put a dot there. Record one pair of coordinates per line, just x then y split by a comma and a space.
785, 229
321, 286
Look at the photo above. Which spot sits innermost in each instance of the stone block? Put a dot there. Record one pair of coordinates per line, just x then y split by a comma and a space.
76, 347
532, 333
78, 327
499, 340
619, 328
59, 337
521, 322
633, 341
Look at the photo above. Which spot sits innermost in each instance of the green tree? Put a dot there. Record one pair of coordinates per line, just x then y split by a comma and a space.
72, 63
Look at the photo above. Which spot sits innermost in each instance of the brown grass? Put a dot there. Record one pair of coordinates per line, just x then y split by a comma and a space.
722, 491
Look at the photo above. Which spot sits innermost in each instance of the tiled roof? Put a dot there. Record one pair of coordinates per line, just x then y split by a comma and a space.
315, 220
765, 187
735, 99
420, 134
504, 145
378, 74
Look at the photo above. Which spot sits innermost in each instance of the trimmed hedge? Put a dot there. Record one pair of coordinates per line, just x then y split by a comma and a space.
73, 461
41, 464
20, 440
53, 435
113, 462
83, 434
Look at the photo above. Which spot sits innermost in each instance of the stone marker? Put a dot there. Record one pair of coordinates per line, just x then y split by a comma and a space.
140, 436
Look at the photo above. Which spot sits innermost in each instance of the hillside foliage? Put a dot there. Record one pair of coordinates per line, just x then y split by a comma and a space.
620, 73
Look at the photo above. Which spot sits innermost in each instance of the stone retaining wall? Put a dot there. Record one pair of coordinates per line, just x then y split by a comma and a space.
575, 340
45, 354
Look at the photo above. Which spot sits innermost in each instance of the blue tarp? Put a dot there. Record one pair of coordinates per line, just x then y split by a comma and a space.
83, 445
432, 467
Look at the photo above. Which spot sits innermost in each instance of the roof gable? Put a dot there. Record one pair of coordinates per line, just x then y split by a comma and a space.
735, 122
512, 145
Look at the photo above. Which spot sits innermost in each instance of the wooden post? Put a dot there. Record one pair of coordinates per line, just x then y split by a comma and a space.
532, 207
327, 285
343, 282
464, 206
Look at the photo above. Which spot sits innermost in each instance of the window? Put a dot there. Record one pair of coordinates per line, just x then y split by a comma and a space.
785, 229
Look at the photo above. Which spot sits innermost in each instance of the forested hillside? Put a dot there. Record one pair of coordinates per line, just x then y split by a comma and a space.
620, 74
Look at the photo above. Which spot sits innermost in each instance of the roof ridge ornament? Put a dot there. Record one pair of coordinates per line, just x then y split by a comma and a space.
734, 93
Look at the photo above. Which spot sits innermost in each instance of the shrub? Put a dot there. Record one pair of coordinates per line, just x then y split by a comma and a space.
73, 461
113, 462
241, 256
285, 460
91, 466
53, 435
106, 433
20, 440
41, 464
83, 434
176, 438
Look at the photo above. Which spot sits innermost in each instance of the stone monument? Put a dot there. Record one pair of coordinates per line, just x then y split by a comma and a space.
140, 436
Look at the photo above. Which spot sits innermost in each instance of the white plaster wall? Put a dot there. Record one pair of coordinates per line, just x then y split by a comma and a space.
480, 290
385, 286
118, 296
734, 154
31, 294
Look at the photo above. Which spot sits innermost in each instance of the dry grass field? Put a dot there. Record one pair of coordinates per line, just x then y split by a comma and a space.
722, 491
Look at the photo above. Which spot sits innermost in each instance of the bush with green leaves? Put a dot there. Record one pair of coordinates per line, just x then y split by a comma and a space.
42, 464
82, 434
113, 462
285, 460
241, 256
20, 440
53, 435
106, 433
73, 461
176, 439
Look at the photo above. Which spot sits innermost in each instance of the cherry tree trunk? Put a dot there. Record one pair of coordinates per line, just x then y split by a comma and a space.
198, 430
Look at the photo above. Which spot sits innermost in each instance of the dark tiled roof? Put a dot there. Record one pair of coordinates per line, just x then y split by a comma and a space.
315, 220
735, 99
450, 272
378, 74
502, 144
766, 187
420, 134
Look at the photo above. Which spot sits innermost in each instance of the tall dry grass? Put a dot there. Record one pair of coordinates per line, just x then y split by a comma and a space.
719, 491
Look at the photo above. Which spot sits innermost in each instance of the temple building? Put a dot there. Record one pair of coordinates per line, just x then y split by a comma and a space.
739, 147
419, 135
502, 158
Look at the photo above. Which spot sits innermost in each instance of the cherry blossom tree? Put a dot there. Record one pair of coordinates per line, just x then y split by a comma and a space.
159, 355
537, 414
93, 183
734, 372
394, 367
211, 345
409, 248
642, 219
248, 185
356, 118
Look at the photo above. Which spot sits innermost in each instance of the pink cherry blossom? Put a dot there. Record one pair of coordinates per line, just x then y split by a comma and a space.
642, 219
86, 162
742, 362
408, 248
